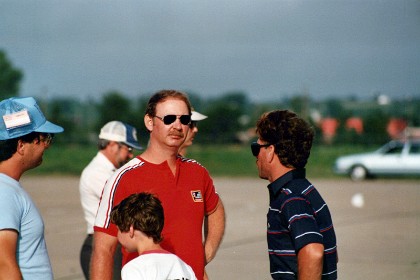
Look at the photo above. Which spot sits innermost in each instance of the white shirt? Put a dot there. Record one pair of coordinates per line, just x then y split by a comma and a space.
157, 265
92, 182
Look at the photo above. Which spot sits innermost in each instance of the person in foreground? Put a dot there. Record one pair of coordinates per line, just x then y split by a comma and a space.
140, 220
24, 136
183, 185
116, 143
300, 233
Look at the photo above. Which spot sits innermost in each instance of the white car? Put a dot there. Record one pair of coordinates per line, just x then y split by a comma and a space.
394, 158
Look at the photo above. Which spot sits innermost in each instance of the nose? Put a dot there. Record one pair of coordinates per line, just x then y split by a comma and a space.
178, 124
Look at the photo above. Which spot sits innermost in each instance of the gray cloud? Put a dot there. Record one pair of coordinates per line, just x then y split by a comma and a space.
266, 48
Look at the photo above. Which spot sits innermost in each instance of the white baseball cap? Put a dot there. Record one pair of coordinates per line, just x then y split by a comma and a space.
196, 116
21, 116
120, 132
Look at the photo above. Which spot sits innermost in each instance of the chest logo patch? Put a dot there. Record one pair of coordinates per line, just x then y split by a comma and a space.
196, 196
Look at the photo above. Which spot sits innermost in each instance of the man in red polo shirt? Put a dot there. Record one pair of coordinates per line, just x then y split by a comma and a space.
183, 185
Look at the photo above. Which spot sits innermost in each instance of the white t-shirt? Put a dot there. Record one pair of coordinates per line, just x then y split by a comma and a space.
92, 182
157, 265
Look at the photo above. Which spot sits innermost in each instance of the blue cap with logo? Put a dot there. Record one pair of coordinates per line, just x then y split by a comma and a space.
21, 116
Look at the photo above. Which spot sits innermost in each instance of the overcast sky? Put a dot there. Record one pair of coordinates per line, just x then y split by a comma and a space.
268, 49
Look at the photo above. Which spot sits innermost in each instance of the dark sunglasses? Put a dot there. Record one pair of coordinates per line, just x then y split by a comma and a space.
129, 149
255, 148
47, 138
168, 119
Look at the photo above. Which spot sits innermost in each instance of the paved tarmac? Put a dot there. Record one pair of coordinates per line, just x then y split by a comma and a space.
379, 239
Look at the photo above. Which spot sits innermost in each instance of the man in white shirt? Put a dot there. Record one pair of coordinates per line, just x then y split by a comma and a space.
116, 143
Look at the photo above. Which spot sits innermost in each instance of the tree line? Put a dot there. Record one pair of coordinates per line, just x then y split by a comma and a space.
231, 116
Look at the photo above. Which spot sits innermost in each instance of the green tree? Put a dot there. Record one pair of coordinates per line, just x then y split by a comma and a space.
10, 77
376, 121
114, 106
224, 118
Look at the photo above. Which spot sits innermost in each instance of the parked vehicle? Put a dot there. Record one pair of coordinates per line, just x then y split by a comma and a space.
394, 158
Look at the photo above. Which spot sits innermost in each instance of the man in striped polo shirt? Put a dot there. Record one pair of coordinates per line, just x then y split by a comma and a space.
300, 233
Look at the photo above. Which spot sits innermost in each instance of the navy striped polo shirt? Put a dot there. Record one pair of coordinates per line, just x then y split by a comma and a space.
298, 216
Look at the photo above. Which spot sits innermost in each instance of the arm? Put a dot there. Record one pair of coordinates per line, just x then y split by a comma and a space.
9, 268
103, 256
310, 261
214, 230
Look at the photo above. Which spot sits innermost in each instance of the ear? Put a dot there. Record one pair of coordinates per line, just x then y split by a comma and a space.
271, 153
131, 231
20, 149
148, 122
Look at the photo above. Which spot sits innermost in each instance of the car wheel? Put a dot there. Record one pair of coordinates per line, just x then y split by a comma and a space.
358, 173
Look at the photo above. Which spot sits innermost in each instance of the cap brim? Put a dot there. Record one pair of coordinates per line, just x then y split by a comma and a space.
134, 146
196, 116
49, 127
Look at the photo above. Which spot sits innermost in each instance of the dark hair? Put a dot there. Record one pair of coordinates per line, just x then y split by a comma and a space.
9, 147
161, 96
291, 136
102, 144
143, 211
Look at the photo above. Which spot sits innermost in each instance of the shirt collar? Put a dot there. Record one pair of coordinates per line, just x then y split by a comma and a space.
276, 186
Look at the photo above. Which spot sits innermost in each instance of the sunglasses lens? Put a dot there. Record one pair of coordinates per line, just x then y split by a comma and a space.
255, 148
168, 119
185, 119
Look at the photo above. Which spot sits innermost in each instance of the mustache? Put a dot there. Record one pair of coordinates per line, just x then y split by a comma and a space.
176, 133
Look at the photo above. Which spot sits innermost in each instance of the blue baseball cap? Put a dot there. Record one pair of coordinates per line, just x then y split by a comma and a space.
120, 132
21, 116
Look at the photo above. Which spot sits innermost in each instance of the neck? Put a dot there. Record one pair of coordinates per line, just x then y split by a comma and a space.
12, 169
157, 154
148, 246
278, 172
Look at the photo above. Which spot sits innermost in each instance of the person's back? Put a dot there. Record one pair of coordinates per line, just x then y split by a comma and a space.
140, 221
158, 265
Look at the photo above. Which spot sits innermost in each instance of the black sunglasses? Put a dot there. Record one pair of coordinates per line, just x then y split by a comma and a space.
168, 119
129, 149
255, 148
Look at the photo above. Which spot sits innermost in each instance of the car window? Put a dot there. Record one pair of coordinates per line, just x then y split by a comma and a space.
394, 150
415, 149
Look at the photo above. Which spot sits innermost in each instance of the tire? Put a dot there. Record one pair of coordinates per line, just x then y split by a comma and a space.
358, 173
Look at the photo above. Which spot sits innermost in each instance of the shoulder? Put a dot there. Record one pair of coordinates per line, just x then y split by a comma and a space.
298, 188
133, 165
10, 189
191, 164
